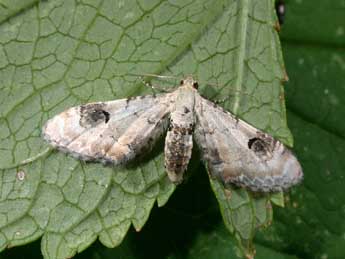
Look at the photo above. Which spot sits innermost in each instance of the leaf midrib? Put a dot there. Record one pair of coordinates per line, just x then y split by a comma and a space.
243, 21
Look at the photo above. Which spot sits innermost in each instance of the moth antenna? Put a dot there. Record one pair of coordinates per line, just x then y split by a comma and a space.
155, 75
153, 88
147, 83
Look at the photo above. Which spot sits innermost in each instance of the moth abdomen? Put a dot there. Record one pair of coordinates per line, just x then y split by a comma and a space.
178, 150
179, 142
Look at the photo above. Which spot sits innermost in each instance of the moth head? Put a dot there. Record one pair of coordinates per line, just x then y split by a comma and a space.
190, 82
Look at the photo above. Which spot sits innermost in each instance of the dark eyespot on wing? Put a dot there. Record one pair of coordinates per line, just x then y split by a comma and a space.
259, 146
256, 144
106, 115
263, 146
93, 114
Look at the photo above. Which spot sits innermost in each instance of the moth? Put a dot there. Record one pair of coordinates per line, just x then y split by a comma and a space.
119, 131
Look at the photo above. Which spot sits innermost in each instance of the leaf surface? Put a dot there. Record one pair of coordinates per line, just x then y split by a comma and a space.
58, 54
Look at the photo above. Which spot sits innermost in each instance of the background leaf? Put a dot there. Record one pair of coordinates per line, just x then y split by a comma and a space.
9, 8
58, 54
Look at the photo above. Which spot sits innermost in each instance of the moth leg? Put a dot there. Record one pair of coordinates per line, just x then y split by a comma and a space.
154, 87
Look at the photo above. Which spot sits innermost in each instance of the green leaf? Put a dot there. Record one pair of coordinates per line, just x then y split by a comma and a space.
10, 8
57, 54
242, 214
312, 224
217, 244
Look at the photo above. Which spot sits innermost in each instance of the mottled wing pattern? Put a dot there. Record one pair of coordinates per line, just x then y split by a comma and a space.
114, 131
120, 130
238, 153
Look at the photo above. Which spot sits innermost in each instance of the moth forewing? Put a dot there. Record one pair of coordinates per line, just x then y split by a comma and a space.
238, 153
92, 131
121, 130
140, 135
